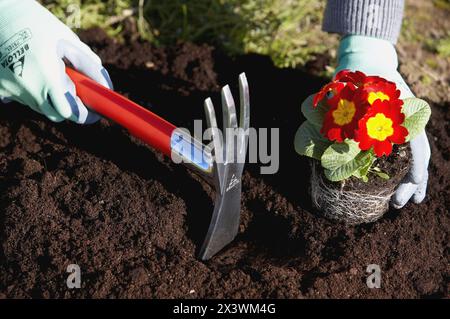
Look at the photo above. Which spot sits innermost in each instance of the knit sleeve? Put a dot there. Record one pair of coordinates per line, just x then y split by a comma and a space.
375, 18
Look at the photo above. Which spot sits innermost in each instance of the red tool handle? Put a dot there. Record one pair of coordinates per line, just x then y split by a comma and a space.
140, 122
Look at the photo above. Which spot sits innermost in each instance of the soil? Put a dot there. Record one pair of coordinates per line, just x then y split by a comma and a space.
133, 221
396, 166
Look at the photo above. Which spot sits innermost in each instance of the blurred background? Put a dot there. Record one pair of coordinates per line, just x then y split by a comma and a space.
289, 31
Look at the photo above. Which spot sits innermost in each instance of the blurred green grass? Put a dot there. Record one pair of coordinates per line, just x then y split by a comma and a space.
289, 31
84, 14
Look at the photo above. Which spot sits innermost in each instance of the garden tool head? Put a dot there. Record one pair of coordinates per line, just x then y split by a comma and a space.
229, 153
221, 163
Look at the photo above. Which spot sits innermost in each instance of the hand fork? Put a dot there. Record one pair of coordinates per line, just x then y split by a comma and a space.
221, 165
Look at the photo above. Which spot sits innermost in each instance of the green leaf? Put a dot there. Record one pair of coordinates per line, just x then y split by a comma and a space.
382, 175
309, 142
314, 115
417, 113
364, 170
376, 170
342, 160
339, 154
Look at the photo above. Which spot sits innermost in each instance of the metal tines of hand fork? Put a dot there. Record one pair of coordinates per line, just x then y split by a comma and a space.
229, 153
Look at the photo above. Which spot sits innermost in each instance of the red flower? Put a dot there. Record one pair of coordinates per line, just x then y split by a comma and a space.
373, 79
376, 88
381, 126
341, 79
369, 105
342, 118
357, 77
333, 87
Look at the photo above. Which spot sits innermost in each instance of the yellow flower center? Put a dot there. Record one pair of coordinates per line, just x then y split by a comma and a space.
344, 112
379, 127
373, 96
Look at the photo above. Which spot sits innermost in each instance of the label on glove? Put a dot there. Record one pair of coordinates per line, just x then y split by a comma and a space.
13, 51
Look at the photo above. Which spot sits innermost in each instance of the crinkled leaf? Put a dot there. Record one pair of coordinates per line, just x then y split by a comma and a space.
339, 154
342, 160
314, 115
417, 113
382, 175
309, 142
364, 170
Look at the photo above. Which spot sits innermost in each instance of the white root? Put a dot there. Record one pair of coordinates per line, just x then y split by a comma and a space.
351, 207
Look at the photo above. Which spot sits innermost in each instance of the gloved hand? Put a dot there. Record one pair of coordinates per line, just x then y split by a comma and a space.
33, 44
378, 57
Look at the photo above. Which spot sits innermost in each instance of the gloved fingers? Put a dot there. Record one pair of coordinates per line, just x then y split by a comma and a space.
415, 183
47, 108
75, 41
73, 38
87, 50
421, 152
403, 193
85, 61
63, 96
421, 191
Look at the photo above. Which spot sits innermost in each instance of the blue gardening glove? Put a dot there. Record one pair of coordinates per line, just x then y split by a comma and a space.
33, 44
378, 57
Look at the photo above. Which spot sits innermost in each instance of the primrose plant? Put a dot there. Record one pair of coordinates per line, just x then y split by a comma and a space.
354, 120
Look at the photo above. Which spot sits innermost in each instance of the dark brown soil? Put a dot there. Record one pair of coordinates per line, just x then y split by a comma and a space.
133, 221
396, 166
